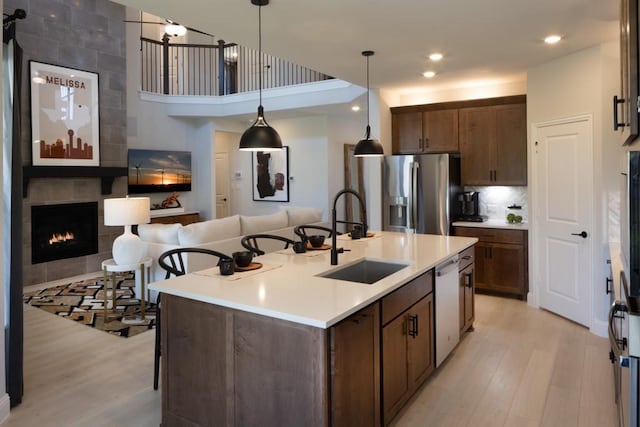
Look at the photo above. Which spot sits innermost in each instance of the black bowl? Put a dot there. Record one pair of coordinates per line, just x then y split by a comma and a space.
316, 240
242, 258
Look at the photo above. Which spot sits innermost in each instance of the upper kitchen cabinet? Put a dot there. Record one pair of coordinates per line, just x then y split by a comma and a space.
625, 106
417, 131
493, 143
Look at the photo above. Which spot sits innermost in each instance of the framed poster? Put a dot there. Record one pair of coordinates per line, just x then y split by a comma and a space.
65, 127
270, 180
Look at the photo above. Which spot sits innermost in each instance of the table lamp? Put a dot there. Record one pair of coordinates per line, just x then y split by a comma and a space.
127, 248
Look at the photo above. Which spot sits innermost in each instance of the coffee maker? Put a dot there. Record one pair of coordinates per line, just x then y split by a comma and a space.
470, 206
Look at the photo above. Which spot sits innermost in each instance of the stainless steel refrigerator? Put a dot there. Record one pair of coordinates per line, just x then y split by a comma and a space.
419, 193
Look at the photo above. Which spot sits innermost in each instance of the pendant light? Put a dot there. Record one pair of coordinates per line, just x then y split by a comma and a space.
368, 147
260, 136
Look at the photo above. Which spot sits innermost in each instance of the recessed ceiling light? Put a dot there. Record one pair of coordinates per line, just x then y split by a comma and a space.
429, 74
436, 56
552, 39
355, 108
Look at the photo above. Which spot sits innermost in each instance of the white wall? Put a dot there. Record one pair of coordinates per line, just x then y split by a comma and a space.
307, 140
582, 83
463, 92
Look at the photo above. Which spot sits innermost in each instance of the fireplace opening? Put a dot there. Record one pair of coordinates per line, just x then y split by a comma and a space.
63, 231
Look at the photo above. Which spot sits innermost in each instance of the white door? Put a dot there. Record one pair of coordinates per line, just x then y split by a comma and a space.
222, 185
564, 216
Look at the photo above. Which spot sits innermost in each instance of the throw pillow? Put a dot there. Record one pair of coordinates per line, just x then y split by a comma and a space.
302, 216
210, 231
263, 223
159, 233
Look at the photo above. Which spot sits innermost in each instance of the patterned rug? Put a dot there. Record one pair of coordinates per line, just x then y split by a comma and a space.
83, 301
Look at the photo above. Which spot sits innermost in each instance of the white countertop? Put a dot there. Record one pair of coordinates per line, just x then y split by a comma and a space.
492, 223
293, 292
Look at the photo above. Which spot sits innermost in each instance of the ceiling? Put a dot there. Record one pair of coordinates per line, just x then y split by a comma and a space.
483, 41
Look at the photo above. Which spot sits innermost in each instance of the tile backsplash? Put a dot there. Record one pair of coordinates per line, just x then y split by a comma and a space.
495, 199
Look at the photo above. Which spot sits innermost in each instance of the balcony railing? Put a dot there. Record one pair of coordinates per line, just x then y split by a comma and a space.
214, 70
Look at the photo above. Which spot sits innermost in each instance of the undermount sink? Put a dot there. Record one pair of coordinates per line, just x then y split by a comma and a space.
364, 271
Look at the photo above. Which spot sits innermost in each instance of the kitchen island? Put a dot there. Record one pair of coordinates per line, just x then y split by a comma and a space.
283, 346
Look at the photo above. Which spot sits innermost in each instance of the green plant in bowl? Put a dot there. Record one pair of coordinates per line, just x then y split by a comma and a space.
511, 218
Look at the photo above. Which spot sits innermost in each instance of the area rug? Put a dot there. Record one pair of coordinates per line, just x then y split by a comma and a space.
83, 302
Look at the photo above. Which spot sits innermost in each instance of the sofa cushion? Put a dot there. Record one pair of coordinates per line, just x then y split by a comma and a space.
210, 231
301, 216
263, 223
159, 233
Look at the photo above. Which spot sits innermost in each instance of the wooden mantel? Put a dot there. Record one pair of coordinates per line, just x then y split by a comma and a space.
106, 174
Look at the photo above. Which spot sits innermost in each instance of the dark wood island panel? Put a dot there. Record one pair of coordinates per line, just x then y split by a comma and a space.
227, 367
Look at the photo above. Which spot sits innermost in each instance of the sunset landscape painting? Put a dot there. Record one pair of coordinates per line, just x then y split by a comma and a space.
158, 171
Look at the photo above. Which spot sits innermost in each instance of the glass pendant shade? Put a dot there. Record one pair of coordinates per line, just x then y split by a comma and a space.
260, 136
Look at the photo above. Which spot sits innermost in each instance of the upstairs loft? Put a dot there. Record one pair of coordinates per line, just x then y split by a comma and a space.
205, 80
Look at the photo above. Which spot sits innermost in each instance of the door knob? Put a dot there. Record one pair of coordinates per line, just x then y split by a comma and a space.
582, 234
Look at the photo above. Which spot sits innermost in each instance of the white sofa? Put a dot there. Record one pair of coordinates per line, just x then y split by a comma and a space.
223, 235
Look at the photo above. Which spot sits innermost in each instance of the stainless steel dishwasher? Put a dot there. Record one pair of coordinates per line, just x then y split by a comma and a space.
447, 306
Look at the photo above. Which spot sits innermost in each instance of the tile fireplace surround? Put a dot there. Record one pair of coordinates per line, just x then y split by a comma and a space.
49, 191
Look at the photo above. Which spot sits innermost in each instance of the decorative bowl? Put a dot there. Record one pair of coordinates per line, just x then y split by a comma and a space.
242, 258
316, 240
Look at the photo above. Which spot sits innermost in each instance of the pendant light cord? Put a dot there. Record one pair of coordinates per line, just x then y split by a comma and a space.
368, 127
260, 52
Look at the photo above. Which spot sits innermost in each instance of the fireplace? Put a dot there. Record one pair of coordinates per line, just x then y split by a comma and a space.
63, 231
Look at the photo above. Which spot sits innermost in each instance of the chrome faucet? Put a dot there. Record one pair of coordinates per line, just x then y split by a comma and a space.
334, 222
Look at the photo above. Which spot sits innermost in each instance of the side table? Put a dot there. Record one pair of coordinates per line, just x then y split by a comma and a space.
142, 274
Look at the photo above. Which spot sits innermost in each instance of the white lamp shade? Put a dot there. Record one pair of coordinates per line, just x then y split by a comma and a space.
127, 211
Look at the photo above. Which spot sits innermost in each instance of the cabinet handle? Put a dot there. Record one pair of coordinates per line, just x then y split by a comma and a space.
495, 175
466, 257
413, 327
617, 101
426, 143
607, 283
467, 280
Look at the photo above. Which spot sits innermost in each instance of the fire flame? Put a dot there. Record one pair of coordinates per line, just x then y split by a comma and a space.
60, 237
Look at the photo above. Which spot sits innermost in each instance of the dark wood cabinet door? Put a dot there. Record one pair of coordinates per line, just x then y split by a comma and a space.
511, 145
395, 369
482, 265
355, 369
421, 345
507, 270
467, 308
477, 145
406, 133
440, 131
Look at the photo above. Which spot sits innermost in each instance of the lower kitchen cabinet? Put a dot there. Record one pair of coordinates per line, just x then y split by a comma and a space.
408, 355
355, 375
500, 260
467, 290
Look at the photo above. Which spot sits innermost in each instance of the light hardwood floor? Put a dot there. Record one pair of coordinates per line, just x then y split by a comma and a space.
520, 367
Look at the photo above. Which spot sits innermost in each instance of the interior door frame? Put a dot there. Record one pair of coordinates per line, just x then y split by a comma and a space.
533, 297
351, 162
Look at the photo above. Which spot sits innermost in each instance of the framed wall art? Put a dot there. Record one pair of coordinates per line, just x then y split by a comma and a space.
270, 175
65, 127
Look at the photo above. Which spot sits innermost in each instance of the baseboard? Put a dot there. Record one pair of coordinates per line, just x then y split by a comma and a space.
5, 405
600, 328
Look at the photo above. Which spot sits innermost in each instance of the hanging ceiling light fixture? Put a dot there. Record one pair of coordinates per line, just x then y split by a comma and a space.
367, 146
260, 136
